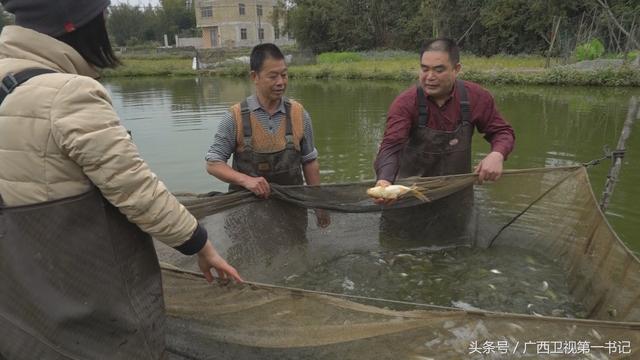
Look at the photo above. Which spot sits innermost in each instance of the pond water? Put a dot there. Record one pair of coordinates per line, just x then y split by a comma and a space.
173, 121
499, 279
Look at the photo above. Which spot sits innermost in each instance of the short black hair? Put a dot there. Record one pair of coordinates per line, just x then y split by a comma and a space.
262, 52
92, 42
443, 44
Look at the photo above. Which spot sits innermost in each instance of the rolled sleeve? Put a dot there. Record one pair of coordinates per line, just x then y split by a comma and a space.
497, 131
307, 148
224, 141
396, 134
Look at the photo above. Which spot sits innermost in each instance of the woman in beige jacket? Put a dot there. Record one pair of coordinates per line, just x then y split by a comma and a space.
79, 277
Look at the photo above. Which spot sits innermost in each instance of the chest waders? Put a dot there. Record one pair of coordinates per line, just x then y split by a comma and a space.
279, 162
78, 281
281, 166
432, 152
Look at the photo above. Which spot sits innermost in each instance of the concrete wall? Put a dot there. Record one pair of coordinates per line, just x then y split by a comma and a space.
188, 42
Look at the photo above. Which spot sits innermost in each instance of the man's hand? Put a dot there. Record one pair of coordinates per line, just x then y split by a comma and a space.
384, 202
209, 258
322, 218
490, 168
257, 185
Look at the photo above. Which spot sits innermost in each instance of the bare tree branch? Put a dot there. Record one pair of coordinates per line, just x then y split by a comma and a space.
544, 37
467, 32
615, 21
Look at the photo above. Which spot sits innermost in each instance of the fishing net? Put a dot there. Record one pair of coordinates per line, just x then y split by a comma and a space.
525, 267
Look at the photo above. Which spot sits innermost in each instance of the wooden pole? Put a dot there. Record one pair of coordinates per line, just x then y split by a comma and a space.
614, 171
467, 32
579, 34
628, 43
553, 39
593, 22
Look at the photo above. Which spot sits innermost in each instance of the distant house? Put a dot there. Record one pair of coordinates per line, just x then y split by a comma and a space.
244, 23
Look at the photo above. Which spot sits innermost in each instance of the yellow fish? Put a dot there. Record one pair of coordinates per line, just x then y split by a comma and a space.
394, 192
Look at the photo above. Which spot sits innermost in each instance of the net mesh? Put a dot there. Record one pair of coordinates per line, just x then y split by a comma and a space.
528, 263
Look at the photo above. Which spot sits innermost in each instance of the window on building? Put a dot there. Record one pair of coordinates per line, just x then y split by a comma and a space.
243, 34
206, 11
276, 33
261, 34
259, 9
241, 8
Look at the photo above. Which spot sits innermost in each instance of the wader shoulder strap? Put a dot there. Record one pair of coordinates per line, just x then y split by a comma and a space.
287, 110
289, 131
246, 123
12, 81
465, 107
423, 112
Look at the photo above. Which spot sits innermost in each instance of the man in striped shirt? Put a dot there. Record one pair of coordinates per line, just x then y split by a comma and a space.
269, 135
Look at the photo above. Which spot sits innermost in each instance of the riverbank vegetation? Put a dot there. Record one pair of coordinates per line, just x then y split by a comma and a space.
151, 67
403, 66
483, 28
570, 28
343, 39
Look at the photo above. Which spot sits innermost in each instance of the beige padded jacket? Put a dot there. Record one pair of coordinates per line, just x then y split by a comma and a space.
59, 133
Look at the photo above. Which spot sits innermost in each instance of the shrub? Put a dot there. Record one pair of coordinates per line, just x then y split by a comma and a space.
590, 50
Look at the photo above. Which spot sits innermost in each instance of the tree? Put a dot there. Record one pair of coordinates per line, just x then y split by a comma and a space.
329, 25
125, 23
621, 8
314, 24
152, 29
176, 18
483, 27
130, 24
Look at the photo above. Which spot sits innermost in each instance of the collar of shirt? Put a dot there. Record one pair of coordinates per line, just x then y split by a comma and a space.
254, 105
448, 100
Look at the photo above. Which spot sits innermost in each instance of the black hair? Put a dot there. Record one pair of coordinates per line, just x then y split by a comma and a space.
262, 52
443, 44
92, 42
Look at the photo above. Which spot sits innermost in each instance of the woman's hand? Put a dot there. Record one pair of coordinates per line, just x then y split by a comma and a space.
209, 258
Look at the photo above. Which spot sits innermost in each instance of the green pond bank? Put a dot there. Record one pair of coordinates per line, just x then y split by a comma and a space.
495, 70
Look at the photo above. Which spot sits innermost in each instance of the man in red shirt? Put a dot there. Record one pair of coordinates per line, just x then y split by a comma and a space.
429, 126
428, 133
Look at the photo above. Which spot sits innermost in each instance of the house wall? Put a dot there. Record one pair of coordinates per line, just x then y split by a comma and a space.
226, 18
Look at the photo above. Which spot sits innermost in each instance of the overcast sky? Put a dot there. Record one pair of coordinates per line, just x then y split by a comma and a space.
136, 2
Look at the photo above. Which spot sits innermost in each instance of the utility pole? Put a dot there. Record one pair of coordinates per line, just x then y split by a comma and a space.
259, 15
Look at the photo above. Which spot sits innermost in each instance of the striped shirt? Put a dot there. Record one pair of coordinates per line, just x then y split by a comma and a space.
224, 142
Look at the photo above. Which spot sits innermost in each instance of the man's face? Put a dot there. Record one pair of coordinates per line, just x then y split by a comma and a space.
437, 74
271, 80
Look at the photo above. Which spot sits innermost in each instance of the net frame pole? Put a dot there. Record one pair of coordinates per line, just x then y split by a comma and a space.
618, 154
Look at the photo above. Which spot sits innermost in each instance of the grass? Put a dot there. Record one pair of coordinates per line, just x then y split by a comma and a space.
402, 66
559, 76
497, 69
151, 67
338, 57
